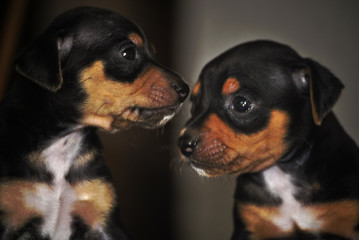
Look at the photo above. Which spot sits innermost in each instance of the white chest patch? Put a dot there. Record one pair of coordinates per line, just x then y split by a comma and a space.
55, 200
292, 213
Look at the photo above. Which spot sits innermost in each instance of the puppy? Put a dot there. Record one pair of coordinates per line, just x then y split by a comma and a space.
263, 112
90, 69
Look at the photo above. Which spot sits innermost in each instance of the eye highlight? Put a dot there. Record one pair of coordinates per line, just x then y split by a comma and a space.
129, 53
241, 105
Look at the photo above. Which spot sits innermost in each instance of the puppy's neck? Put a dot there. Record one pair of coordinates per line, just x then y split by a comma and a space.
34, 108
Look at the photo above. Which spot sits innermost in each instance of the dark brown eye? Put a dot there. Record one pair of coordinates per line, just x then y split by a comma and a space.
129, 53
241, 105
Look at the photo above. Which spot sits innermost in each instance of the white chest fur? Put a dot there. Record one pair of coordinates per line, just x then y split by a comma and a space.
54, 201
60, 155
292, 212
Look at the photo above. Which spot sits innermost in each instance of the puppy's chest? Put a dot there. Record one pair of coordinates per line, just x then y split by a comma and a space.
57, 202
291, 212
291, 215
60, 155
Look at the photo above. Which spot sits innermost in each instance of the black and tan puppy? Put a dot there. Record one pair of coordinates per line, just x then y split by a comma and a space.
264, 113
91, 68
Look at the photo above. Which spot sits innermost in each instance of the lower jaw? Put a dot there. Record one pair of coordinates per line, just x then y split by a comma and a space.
207, 171
151, 122
219, 170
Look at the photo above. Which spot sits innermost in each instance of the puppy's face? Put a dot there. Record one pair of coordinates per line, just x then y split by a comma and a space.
104, 64
250, 107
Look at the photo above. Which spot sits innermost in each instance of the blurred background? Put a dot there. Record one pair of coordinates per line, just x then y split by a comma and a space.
160, 198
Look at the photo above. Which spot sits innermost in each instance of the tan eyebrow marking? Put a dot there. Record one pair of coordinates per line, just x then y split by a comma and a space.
136, 39
231, 85
196, 88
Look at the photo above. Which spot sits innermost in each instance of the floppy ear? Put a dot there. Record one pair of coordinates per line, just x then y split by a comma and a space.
41, 61
301, 77
324, 87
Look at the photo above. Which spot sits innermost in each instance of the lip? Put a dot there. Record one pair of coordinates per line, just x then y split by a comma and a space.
150, 112
218, 168
208, 166
210, 170
213, 169
154, 114
144, 117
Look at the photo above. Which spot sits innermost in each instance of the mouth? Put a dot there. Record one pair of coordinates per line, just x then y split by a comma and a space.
216, 170
210, 169
144, 117
235, 166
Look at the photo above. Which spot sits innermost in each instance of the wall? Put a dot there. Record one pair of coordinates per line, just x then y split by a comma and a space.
325, 30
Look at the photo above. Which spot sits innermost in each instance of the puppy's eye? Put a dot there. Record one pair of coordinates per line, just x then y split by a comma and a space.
129, 53
241, 105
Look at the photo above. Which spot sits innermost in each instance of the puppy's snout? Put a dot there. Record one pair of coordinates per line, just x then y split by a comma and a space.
175, 81
187, 144
178, 84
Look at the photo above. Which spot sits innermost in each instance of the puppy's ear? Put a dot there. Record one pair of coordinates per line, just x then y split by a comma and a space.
301, 77
41, 61
324, 88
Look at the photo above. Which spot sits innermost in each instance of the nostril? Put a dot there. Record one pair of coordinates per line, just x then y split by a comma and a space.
182, 95
182, 90
187, 145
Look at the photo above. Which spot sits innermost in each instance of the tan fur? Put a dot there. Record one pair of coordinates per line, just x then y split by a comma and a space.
338, 218
315, 115
85, 158
240, 152
196, 88
231, 85
96, 198
136, 39
109, 102
258, 220
13, 202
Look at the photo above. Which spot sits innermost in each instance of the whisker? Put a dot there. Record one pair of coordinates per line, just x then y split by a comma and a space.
306, 142
98, 109
84, 80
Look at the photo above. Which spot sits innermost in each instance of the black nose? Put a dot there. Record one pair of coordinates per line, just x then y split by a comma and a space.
178, 84
187, 144
181, 88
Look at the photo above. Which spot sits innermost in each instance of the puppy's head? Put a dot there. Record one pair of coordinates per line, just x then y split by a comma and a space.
102, 63
252, 105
